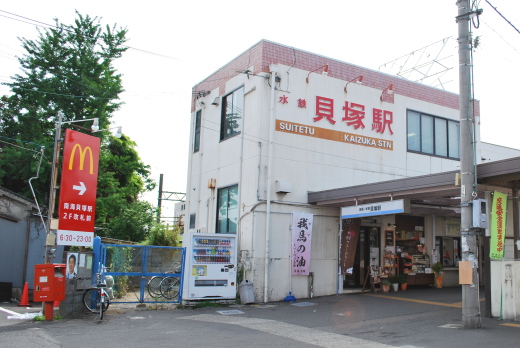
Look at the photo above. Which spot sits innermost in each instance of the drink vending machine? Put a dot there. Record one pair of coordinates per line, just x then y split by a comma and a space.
212, 268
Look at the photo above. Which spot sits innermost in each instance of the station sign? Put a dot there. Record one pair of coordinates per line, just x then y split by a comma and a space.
375, 209
77, 202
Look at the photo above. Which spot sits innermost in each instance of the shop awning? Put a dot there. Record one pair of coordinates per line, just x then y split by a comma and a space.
429, 194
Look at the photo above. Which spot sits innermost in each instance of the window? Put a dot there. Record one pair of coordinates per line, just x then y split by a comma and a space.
433, 135
196, 136
232, 113
192, 220
227, 206
449, 251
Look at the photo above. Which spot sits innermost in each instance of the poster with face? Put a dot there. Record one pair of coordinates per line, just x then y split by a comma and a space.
72, 265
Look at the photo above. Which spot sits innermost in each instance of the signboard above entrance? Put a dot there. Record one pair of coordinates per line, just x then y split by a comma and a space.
375, 209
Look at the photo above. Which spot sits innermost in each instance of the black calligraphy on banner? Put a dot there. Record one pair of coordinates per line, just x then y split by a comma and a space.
301, 243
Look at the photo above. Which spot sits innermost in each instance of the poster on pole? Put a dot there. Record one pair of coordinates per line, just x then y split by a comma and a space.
498, 225
301, 243
78, 189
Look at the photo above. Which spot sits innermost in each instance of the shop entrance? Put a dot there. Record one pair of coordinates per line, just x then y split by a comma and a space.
367, 253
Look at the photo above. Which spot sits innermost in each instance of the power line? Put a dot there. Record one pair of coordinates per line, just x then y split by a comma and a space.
16, 19
54, 26
511, 24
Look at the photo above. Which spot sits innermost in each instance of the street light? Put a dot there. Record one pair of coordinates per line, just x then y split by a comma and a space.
117, 134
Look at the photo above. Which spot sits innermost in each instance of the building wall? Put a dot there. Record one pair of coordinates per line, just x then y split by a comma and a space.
492, 152
22, 240
307, 162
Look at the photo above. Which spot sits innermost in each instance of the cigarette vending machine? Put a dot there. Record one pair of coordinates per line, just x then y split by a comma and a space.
212, 266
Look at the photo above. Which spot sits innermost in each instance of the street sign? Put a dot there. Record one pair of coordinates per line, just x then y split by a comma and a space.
79, 176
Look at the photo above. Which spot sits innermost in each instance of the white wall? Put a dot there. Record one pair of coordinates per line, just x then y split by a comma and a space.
492, 152
308, 163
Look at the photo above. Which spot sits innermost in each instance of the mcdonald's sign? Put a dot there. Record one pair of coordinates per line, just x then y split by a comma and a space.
77, 202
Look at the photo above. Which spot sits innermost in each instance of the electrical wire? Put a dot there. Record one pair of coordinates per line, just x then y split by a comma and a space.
23, 141
66, 28
501, 38
61, 94
511, 24
32, 189
474, 193
474, 8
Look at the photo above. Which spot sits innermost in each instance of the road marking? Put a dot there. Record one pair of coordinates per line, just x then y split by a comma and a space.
230, 312
452, 305
511, 324
295, 332
302, 304
8, 311
451, 326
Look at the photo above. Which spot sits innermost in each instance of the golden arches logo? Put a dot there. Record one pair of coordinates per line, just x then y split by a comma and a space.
82, 153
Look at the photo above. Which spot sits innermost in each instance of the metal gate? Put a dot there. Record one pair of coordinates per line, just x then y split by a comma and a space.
144, 274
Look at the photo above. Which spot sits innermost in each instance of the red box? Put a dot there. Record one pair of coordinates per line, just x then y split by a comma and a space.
49, 282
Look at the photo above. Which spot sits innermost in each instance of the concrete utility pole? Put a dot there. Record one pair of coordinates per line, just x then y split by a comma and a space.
468, 188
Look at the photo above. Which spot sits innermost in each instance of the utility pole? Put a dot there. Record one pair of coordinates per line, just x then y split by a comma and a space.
468, 186
167, 196
50, 242
159, 199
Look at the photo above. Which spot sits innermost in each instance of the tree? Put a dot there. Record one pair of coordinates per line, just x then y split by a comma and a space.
122, 178
69, 69
163, 235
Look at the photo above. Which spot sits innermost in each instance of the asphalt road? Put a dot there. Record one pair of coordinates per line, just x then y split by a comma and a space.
424, 317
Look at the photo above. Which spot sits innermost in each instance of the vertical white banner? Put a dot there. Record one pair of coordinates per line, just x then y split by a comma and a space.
301, 243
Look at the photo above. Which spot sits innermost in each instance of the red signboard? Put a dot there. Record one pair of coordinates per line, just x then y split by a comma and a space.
77, 204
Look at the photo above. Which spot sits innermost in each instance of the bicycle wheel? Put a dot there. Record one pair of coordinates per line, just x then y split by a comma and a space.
154, 286
91, 300
170, 287
106, 303
102, 308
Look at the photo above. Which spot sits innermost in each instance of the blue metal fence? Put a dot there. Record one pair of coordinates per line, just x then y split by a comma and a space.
133, 266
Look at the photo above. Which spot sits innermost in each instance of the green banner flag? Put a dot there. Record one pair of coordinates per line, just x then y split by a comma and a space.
498, 225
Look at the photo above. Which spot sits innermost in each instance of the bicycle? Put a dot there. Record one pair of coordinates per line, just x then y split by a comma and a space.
170, 287
154, 288
167, 287
96, 300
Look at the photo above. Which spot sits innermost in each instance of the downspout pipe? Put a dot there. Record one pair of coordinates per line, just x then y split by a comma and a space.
268, 189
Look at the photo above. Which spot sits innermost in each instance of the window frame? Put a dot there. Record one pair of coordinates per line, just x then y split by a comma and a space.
196, 132
435, 136
224, 121
218, 207
193, 220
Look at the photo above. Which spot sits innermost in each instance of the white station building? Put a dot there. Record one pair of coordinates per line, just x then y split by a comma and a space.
280, 132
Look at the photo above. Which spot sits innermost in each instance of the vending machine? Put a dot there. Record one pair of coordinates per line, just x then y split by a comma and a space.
212, 268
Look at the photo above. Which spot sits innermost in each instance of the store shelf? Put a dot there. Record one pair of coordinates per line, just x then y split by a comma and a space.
390, 265
405, 263
420, 263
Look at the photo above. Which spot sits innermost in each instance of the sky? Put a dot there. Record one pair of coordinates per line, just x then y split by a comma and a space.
176, 44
